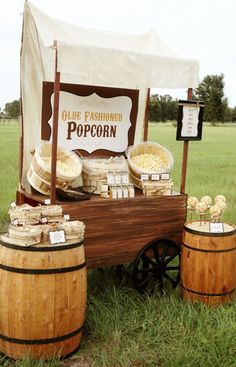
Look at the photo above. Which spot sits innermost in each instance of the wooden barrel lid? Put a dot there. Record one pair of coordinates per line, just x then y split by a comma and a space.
42, 246
203, 228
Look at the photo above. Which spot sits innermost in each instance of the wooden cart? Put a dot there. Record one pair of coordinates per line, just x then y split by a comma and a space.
144, 230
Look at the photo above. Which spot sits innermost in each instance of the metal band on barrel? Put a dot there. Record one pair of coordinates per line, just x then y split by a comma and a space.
42, 271
207, 294
205, 250
209, 234
42, 249
41, 341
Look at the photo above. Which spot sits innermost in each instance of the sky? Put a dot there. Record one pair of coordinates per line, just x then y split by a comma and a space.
203, 30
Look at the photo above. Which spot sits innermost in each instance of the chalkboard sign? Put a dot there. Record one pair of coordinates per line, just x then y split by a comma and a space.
190, 118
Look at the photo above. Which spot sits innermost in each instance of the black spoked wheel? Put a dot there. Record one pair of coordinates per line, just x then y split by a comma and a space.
157, 266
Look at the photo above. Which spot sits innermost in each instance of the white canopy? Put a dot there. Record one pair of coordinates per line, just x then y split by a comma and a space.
92, 57
111, 59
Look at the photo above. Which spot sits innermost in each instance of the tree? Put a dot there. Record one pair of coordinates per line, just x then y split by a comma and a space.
233, 114
211, 92
228, 114
155, 110
162, 108
12, 109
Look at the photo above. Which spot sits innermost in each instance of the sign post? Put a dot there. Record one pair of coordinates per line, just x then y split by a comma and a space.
189, 127
55, 128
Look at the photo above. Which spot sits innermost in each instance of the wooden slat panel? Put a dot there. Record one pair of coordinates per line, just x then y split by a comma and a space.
117, 230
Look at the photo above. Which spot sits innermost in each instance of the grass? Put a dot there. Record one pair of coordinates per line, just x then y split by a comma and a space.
124, 328
211, 162
127, 329
9, 166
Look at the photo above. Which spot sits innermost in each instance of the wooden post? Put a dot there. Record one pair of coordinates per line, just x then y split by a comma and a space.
146, 116
21, 142
21, 145
55, 128
185, 154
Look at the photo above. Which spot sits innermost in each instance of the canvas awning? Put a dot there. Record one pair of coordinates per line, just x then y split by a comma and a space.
111, 59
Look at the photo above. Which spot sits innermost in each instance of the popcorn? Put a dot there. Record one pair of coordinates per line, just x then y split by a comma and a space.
207, 200
200, 207
150, 162
215, 211
192, 201
220, 198
62, 167
221, 205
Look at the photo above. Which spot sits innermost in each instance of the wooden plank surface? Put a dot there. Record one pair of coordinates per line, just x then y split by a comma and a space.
117, 229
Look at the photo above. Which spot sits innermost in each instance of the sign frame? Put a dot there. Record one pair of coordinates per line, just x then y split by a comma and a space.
85, 91
191, 104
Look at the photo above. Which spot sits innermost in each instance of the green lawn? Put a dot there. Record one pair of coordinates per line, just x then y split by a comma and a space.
211, 162
124, 328
9, 165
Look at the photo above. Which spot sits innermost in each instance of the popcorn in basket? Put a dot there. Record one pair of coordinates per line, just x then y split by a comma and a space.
152, 160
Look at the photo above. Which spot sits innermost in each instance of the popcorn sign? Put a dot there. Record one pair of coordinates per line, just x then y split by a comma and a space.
91, 118
93, 122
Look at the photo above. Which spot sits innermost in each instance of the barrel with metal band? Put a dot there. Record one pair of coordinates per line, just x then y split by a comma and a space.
208, 262
42, 299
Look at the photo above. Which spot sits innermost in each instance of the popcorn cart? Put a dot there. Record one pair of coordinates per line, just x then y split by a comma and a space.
88, 91
84, 152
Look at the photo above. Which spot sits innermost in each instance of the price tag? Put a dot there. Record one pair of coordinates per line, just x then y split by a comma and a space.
117, 179
125, 179
144, 177
216, 227
57, 237
15, 222
155, 177
131, 191
110, 179
44, 220
119, 193
125, 192
67, 217
165, 176
47, 202
13, 205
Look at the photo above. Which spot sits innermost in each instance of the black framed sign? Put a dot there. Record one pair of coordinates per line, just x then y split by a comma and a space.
190, 119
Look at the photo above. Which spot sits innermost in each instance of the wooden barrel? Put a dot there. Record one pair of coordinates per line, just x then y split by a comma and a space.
208, 263
43, 292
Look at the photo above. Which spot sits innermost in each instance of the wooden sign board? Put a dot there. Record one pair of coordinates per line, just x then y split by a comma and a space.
92, 120
190, 119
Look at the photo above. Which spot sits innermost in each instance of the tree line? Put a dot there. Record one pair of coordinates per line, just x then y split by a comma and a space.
11, 110
210, 91
164, 108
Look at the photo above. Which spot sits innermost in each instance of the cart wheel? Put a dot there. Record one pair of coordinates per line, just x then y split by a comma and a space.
157, 265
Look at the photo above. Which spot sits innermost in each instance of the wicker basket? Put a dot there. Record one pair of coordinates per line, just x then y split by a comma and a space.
53, 213
25, 214
26, 235
69, 167
157, 188
37, 182
152, 188
73, 230
148, 148
95, 170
